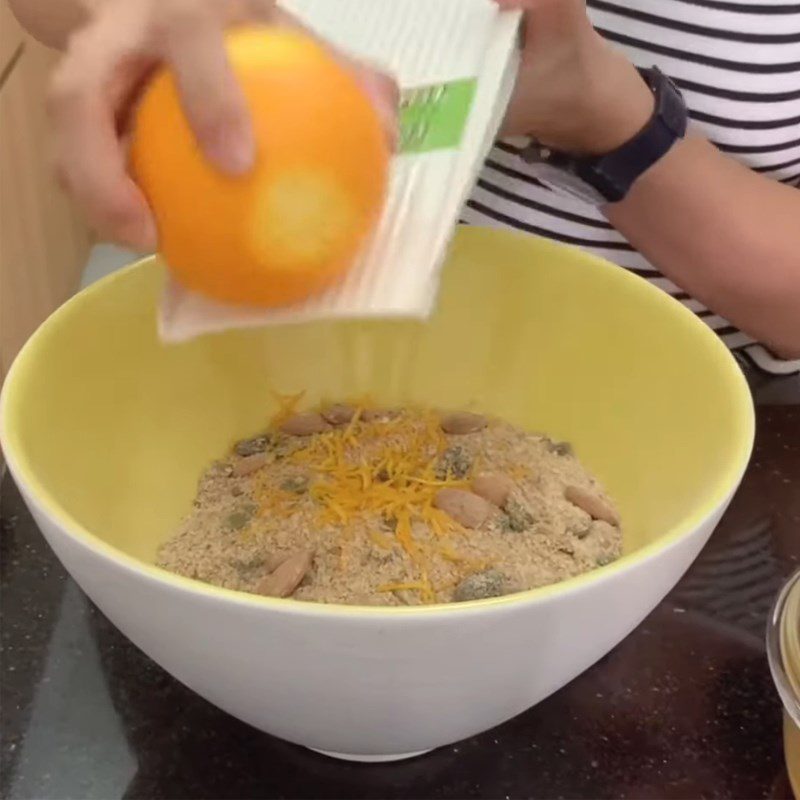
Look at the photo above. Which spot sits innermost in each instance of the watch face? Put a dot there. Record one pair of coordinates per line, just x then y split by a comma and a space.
565, 182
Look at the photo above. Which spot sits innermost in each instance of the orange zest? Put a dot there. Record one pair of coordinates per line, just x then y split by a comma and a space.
396, 482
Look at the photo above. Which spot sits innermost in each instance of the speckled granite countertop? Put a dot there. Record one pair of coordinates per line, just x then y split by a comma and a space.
683, 708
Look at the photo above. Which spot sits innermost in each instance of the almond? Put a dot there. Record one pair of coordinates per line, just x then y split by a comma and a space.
249, 464
273, 561
305, 424
494, 488
594, 506
339, 414
463, 422
464, 507
283, 581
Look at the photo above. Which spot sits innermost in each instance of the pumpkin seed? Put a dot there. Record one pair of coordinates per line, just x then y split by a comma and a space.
480, 586
454, 463
517, 517
295, 485
241, 517
561, 448
250, 447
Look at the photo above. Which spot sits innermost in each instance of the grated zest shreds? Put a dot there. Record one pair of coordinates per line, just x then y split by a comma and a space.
395, 479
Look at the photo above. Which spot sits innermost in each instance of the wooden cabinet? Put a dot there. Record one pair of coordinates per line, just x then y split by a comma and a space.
43, 241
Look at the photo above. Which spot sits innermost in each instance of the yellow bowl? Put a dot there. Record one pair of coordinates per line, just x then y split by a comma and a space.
106, 431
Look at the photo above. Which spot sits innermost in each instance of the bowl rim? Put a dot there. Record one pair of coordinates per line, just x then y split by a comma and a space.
775, 651
31, 487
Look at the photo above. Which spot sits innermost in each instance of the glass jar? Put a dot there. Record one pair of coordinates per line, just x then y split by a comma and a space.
783, 651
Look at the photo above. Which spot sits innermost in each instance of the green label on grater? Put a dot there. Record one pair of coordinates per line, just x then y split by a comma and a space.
435, 117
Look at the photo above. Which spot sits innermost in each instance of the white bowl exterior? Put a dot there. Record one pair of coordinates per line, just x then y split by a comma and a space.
373, 684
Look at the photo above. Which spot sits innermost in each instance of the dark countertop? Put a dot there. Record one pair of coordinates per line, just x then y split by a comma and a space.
682, 708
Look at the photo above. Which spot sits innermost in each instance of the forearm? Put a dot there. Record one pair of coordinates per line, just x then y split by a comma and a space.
728, 236
50, 21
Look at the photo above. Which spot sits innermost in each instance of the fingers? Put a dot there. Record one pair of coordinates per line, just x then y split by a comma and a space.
569, 8
263, 11
212, 99
100, 74
384, 94
89, 159
92, 167
107, 63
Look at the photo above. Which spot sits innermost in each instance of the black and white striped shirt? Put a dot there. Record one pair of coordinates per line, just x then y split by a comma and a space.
737, 63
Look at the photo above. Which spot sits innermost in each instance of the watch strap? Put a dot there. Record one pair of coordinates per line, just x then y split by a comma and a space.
613, 174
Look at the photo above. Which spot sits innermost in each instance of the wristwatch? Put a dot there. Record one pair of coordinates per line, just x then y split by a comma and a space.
608, 178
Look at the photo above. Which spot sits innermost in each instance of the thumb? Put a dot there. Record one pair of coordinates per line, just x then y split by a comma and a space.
549, 22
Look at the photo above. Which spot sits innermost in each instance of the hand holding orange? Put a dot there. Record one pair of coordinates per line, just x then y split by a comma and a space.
296, 221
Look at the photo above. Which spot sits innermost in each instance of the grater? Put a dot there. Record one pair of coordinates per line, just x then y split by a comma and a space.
435, 117
456, 64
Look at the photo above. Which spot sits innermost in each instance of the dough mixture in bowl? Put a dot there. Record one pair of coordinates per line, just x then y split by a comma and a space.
361, 505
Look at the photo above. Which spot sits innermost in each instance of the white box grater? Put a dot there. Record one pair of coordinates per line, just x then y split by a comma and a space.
455, 62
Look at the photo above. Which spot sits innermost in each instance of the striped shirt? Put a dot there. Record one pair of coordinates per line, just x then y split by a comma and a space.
738, 66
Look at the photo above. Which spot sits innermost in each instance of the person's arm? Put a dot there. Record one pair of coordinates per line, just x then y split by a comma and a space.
725, 234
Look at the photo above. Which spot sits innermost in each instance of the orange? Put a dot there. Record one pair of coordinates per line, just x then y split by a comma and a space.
298, 219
